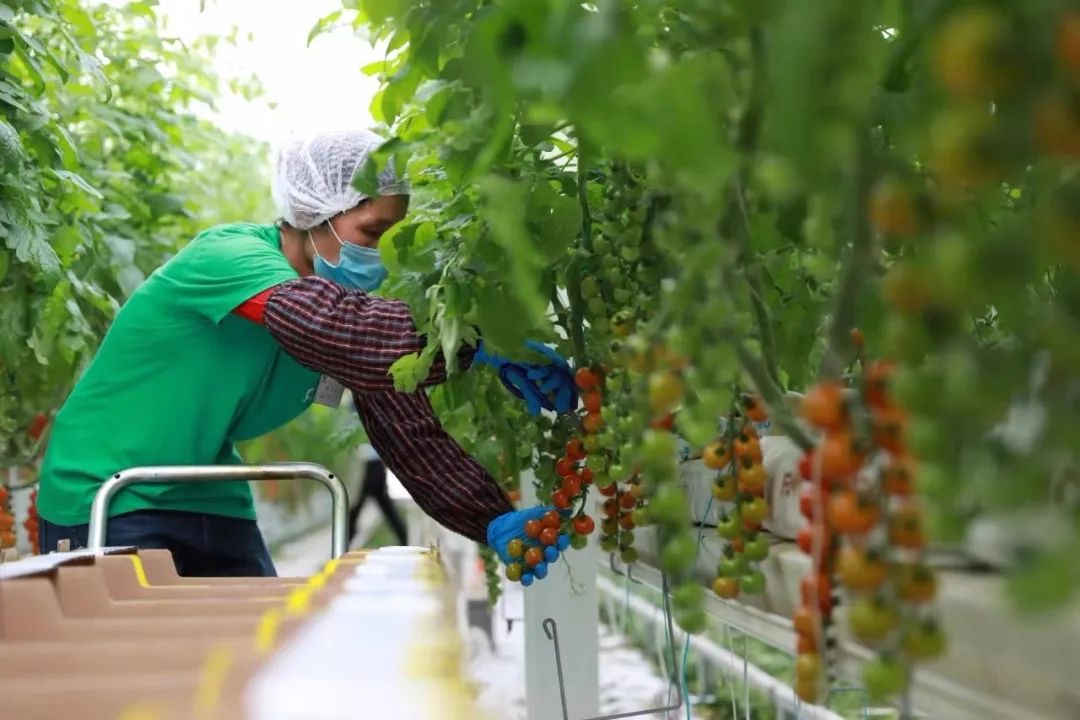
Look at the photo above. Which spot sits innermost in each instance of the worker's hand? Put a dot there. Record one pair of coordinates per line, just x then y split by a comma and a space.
542, 385
528, 541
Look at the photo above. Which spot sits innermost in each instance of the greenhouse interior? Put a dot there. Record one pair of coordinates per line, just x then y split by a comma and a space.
539, 360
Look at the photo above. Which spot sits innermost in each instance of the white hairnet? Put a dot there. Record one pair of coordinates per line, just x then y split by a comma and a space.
313, 176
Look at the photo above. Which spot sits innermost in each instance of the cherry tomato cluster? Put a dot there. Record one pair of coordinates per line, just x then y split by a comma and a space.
740, 479
7, 520
865, 527
542, 547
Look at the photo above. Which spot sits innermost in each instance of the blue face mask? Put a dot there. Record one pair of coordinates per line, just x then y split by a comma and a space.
358, 267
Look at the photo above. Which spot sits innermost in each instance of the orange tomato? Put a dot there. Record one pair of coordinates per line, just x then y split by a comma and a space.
857, 339
823, 406
816, 592
748, 446
898, 478
916, 583
805, 644
593, 423
513, 495
755, 408
7, 521
906, 529
3, 494
807, 622
889, 428
1067, 43
1057, 126
893, 211
716, 455
851, 514
752, 479
840, 459
859, 570
876, 382
726, 587
806, 537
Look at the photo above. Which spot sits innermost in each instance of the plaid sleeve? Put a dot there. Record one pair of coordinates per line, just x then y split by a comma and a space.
347, 334
446, 483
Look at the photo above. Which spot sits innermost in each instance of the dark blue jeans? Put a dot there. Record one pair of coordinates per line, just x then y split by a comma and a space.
201, 545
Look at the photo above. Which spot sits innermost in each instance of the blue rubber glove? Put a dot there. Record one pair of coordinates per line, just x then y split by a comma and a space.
543, 386
511, 526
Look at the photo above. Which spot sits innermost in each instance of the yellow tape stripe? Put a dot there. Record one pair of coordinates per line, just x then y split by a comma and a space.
266, 632
140, 573
143, 711
215, 668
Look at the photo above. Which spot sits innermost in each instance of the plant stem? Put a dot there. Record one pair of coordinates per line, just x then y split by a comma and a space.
573, 281
752, 274
855, 268
774, 397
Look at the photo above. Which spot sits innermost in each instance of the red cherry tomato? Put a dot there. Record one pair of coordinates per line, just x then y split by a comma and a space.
560, 499
37, 425
608, 490
626, 521
584, 525
587, 378
551, 519
628, 501
575, 450
586, 476
549, 536
592, 400
564, 466
533, 528
571, 485
533, 556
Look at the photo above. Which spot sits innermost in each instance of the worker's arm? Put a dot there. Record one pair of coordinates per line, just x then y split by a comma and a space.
349, 335
445, 482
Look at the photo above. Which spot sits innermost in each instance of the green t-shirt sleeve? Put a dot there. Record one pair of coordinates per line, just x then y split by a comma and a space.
223, 267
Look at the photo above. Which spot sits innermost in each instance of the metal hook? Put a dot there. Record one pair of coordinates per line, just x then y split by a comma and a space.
552, 631
629, 574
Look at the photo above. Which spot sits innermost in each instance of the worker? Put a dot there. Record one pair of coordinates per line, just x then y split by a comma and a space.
238, 334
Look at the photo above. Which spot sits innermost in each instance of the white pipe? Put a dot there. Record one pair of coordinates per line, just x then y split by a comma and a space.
728, 662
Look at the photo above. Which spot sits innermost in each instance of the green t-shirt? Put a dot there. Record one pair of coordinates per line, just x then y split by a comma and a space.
177, 381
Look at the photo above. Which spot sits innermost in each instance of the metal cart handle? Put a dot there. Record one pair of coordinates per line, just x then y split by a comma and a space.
99, 511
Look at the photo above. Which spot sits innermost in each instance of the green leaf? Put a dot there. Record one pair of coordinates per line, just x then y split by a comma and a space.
78, 181
412, 369
323, 25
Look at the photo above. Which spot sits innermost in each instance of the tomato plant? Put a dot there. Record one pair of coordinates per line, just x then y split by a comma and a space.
699, 202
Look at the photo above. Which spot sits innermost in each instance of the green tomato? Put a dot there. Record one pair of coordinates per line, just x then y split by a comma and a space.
679, 554
871, 619
601, 245
609, 526
923, 640
756, 549
513, 572
629, 556
669, 504
617, 472
752, 583
630, 253
692, 621
626, 539
732, 565
641, 517
610, 263
597, 308
590, 288
603, 479
607, 441
622, 295
578, 542
596, 463
688, 596
609, 543
883, 679
728, 527
658, 450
